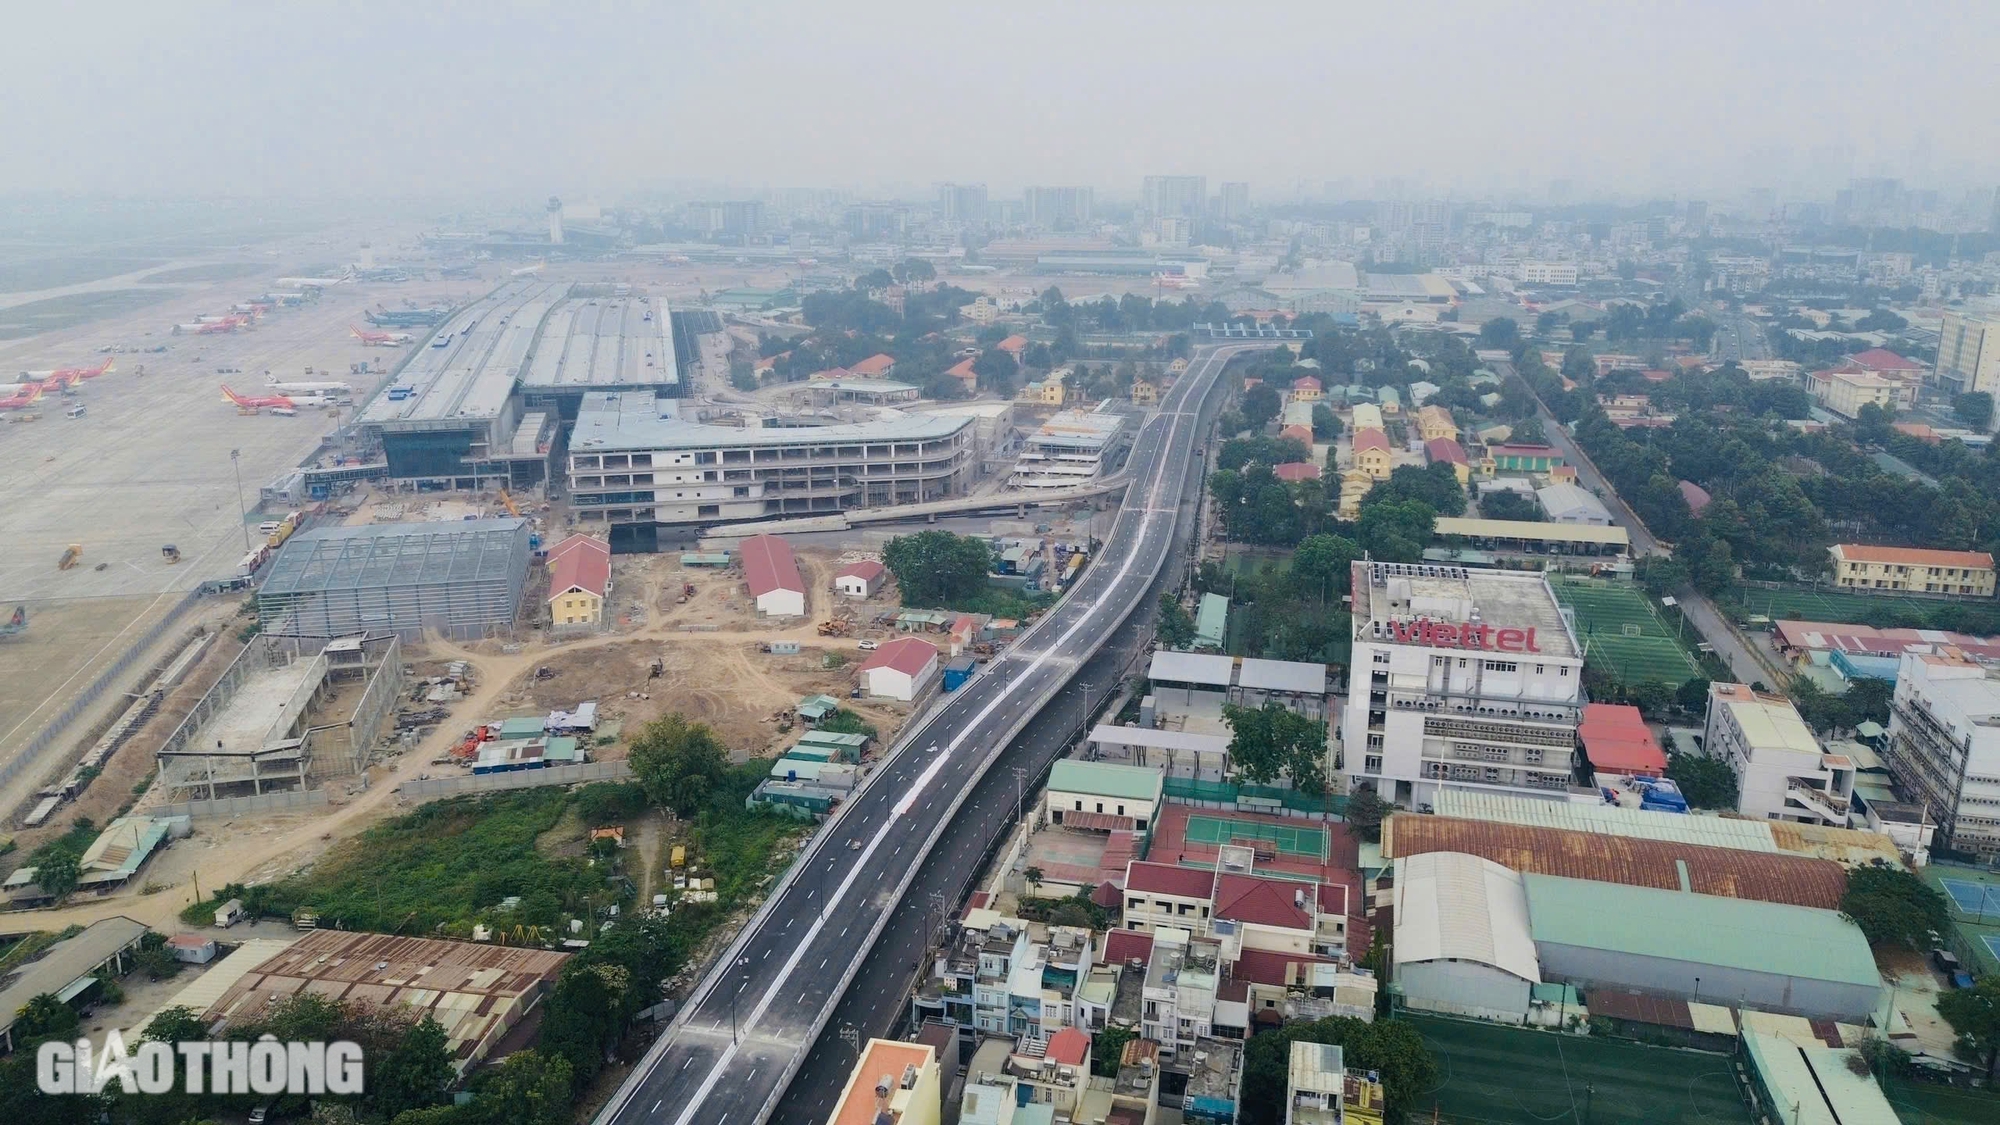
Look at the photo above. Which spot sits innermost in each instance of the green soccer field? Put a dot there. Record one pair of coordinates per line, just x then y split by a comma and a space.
1623, 634
1835, 606
1926, 1103
1492, 1075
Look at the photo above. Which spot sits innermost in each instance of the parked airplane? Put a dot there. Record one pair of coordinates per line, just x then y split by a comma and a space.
67, 374
381, 339
524, 271
250, 404
211, 328
345, 278
22, 398
293, 390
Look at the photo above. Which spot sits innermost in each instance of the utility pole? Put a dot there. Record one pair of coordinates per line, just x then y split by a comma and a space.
242, 514
1020, 780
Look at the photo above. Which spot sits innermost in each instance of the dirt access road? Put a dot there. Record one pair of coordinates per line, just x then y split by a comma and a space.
268, 847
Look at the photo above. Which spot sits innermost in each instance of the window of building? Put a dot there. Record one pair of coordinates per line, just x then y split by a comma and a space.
1381, 658
1502, 666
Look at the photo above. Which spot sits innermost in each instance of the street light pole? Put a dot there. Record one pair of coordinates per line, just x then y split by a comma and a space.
733, 994
242, 515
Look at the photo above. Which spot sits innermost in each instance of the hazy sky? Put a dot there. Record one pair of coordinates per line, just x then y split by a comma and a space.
497, 100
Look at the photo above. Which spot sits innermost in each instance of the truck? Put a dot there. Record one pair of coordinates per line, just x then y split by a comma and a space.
230, 913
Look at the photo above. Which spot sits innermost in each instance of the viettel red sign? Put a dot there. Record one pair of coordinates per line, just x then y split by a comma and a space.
1439, 635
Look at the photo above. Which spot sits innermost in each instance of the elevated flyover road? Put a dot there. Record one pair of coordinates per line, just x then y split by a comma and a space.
745, 1030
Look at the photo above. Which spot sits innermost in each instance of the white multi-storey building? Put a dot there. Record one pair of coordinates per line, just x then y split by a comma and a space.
1547, 273
1460, 677
1782, 773
634, 460
1944, 746
1069, 449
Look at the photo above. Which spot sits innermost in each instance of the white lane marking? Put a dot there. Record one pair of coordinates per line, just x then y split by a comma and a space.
656, 1106
798, 953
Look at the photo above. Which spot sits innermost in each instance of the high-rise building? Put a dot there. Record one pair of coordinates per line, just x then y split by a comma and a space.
744, 217
1176, 195
877, 220
1235, 202
1058, 208
1968, 356
1460, 677
962, 203
1944, 747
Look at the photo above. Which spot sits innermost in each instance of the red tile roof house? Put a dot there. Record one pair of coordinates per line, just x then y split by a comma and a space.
1293, 472
876, 366
963, 372
860, 579
1301, 434
772, 574
579, 564
900, 668
1886, 363
1015, 346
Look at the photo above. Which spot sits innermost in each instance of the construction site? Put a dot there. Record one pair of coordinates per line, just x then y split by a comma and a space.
283, 716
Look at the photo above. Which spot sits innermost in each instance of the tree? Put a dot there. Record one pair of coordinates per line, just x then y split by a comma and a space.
997, 371
58, 872
1707, 783
44, 1017
937, 568
1326, 424
582, 1018
678, 762
1107, 1047
912, 271
1529, 431
1272, 740
1975, 409
742, 375
1394, 1048
1260, 404
1324, 561
1396, 531
530, 1088
1692, 695
1502, 504
178, 1024
414, 1074
1500, 332
874, 279
1034, 877
1975, 1014
1176, 628
1893, 907
1366, 810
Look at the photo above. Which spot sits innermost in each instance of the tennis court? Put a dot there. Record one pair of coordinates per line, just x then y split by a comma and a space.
1973, 898
1623, 634
1493, 1075
1205, 829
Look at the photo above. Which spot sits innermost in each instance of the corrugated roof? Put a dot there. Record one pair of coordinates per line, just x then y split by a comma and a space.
1815, 1085
1192, 668
1162, 739
1446, 450
1767, 721
1758, 937
1282, 675
1616, 739
63, 963
768, 564
1613, 536
1708, 831
1763, 876
908, 655
1455, 907
867, 570
1105, 779
580, 562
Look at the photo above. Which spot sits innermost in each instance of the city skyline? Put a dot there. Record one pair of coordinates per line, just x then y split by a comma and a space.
452, 101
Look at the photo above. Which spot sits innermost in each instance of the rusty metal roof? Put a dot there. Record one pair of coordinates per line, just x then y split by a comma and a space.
1666, 865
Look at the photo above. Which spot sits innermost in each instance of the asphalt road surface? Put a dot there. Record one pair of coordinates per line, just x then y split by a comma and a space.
748, 1026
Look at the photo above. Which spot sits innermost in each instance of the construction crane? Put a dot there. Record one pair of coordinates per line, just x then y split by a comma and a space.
513, 509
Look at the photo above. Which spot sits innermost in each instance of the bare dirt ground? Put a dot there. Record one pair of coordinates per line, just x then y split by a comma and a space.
718, 675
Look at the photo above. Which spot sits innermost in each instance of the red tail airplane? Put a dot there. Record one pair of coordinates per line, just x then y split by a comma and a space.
380, 339
17, 401
258, 402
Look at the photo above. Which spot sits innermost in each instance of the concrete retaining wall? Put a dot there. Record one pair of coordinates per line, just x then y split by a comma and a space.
431, 789
285, 801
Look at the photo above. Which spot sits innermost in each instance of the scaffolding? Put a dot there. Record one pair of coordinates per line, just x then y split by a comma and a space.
463, 580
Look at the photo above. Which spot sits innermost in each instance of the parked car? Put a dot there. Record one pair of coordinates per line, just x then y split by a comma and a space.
868, 646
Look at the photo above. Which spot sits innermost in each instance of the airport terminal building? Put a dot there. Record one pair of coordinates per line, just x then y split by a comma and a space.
636, 465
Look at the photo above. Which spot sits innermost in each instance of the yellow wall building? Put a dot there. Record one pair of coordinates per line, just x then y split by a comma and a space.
1913, 570
1434, 422
1372, 454
1144, 393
